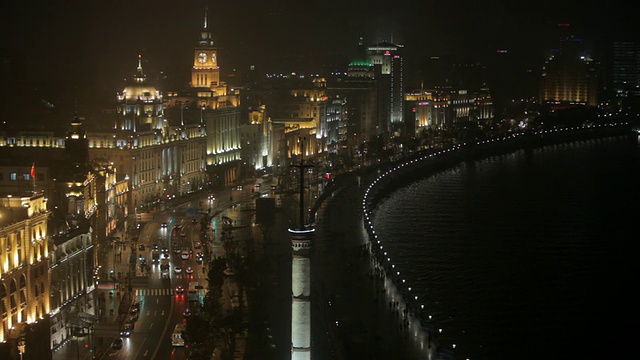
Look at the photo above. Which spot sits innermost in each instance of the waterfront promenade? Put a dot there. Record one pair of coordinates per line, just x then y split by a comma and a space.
363, 314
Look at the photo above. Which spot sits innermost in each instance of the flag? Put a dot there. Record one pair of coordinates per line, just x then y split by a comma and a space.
33, 171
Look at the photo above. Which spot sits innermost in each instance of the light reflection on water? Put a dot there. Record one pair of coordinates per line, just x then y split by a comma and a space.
522, 249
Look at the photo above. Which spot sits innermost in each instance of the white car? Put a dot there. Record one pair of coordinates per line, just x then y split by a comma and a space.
177, 269
189, 270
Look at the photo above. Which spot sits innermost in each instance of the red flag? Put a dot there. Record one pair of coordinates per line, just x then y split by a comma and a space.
33, 170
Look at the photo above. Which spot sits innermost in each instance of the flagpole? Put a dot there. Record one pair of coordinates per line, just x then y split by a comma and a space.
33, 177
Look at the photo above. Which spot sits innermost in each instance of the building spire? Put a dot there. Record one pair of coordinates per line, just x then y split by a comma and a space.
205, 16
205, 35
139, 73
139, 64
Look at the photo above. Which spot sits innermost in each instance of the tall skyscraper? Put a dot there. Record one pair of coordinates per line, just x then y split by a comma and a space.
626, 67
388, 63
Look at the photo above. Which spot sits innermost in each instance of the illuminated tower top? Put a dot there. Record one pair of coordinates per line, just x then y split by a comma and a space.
139, 76
205, 72
205, 34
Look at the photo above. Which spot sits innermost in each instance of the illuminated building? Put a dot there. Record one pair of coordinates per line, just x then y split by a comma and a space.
161, 160
210, 103
388, 63
360, 88
140, 104
568, 77
257, 139
24, 269
430, 109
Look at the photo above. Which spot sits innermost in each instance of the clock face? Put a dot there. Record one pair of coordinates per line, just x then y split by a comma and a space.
202, 58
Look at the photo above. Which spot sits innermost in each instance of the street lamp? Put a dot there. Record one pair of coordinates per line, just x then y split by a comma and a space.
21, 346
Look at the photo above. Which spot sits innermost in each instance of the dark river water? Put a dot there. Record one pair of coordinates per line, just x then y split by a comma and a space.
526, 255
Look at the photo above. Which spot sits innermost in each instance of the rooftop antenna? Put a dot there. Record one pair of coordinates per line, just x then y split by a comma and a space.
302, 166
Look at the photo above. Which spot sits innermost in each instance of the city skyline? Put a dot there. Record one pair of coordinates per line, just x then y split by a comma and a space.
77, 52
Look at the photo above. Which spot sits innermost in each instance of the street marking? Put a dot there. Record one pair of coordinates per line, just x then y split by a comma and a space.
162, 313
151, 326
146, 353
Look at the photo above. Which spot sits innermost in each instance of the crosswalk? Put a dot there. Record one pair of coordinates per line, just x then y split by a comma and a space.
154, 292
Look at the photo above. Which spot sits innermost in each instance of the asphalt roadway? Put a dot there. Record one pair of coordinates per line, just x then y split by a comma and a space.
356, 312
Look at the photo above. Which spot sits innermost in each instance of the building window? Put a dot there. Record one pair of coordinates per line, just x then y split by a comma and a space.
13, 176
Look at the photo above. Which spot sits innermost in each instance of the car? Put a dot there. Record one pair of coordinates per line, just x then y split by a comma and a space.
179, 289
258, 185
177, 269
184, 255
194, 221
117, 344
133, 318
127, 329
141, 247
136, 304
164, 224
189, 270
175, 244
197, 245
165, 250
177, 250
199, 254
239, 187
176, 226
199, 260
186, 312
155, 247
134, 310
212, 196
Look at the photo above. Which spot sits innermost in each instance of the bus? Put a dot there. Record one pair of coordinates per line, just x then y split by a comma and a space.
176, 336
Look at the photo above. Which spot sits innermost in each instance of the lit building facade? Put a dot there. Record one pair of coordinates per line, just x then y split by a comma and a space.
568, 76
429, 108
24, 267
72, 294
388, 63
139, 106
216, 107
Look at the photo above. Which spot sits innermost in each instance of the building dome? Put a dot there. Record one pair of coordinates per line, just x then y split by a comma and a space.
146, 92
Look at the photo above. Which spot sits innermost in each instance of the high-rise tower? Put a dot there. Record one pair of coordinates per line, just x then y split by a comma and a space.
205, 72
301, 239
388, 62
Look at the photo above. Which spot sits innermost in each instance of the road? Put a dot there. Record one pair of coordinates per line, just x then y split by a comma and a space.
161, 307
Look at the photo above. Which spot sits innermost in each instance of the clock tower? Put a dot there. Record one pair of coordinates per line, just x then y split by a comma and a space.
205, 72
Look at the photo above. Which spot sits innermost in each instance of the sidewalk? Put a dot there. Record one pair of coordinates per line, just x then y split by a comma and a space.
86, 347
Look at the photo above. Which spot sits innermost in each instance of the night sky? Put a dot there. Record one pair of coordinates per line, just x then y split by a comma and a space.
81, 49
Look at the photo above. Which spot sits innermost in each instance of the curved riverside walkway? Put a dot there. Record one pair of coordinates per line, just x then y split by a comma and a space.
363, 314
